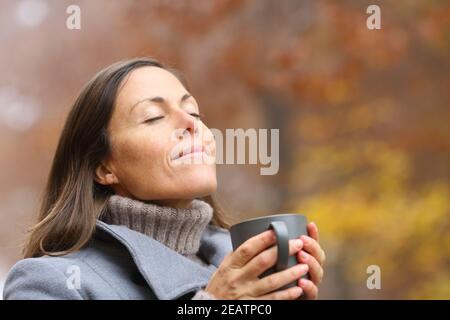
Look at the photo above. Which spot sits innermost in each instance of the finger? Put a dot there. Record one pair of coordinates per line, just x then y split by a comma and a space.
315, 269
312, 247
251, 247
268, 258
287, 294
313, 231
277, 280
309, 289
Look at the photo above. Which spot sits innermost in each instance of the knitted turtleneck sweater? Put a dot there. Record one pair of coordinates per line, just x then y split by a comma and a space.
180, 229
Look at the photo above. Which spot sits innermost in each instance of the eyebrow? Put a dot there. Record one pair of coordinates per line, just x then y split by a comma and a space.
159, 100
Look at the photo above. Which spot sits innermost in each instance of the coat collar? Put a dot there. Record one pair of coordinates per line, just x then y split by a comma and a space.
168, 273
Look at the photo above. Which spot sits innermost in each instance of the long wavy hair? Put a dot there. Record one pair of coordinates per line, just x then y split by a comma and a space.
72, 201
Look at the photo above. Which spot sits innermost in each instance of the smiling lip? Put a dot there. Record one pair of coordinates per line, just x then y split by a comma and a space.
190, 150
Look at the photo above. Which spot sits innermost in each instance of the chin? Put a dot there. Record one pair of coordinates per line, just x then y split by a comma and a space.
198, 184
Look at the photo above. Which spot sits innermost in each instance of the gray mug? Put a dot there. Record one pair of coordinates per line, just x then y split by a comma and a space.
286, 226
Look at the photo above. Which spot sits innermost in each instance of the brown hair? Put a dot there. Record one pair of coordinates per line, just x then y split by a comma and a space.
72, 200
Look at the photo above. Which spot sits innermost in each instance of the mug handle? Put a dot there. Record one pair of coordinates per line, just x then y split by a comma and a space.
282, 234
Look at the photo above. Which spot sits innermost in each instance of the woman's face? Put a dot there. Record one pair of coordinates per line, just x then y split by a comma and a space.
154, 120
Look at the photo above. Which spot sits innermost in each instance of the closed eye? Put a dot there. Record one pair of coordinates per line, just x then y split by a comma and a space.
153, 119
196, 115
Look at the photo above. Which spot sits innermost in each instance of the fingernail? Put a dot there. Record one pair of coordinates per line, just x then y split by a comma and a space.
298, 291
305, 239
303, 255
303, 282
298, 243
301, 269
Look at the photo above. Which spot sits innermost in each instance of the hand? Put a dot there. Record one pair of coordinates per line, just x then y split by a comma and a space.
312, 255
237, 275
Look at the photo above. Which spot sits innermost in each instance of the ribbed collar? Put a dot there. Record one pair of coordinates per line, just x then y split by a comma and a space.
180, 229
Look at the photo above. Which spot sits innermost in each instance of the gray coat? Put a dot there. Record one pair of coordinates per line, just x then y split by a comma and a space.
118, 263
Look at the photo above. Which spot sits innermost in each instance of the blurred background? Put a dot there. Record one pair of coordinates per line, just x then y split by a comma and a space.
363, 116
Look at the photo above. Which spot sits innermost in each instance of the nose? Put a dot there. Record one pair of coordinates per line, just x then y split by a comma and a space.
188, 126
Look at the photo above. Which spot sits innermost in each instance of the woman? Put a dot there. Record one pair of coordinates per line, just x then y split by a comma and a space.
126, 216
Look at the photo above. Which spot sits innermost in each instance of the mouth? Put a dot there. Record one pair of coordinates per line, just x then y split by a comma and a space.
190, 151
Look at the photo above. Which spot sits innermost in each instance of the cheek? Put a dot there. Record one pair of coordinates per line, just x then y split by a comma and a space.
140, 158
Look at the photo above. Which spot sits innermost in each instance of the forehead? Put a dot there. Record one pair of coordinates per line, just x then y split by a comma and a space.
148, 82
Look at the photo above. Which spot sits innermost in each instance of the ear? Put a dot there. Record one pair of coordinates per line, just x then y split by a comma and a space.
104, 176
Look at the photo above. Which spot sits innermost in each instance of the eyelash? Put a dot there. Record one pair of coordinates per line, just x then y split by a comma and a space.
196, 115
